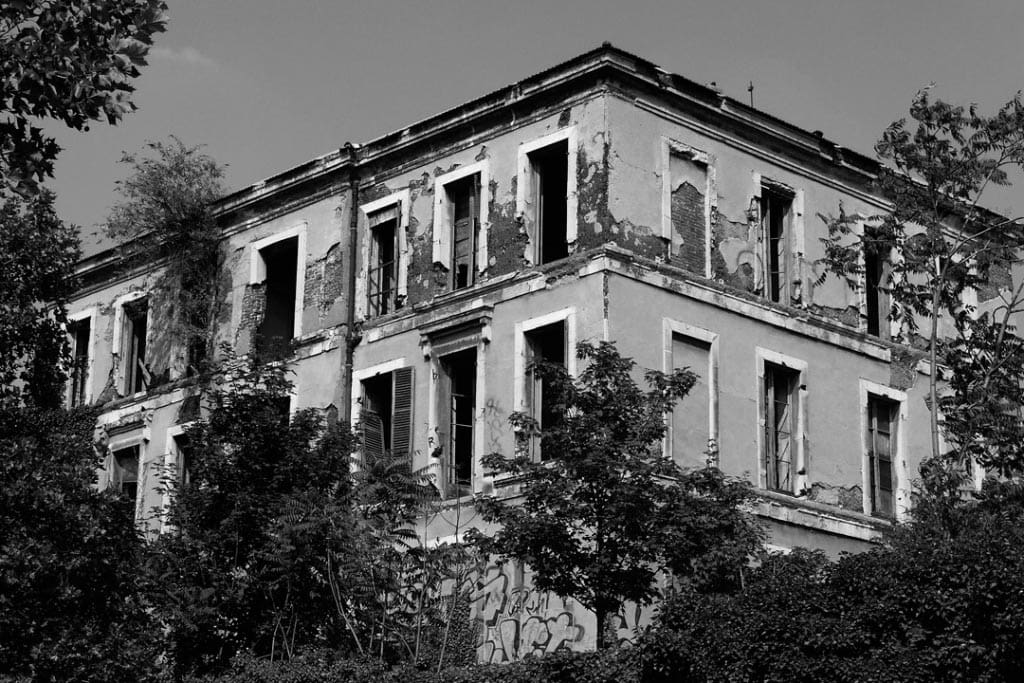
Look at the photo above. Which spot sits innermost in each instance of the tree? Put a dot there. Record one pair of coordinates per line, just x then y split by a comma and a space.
601, 517
941, 245
71, 608
38, 255
72, 61
943, 599
167, 210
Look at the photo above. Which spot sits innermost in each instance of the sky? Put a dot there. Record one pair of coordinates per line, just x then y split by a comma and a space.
268, 84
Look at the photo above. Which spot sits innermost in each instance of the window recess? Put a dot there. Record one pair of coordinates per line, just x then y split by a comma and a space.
382, 274
545, 344
776, 212
276, 329
80, 333
781, 424
386, 414
136, 374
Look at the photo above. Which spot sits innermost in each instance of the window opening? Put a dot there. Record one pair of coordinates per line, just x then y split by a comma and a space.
125, 479
876, 299
136, 374
383, 272
543, 344
460, 372
551, 176
776, 209
183, 447
387, 412
780, 385
278, 325
882, 416
80, 335
464, 200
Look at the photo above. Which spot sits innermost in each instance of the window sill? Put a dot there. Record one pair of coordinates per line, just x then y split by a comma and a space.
803, 512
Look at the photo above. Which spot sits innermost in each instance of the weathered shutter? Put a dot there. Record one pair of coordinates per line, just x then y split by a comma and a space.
401, 420
373, 433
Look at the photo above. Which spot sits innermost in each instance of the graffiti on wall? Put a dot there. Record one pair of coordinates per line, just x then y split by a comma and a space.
514, 620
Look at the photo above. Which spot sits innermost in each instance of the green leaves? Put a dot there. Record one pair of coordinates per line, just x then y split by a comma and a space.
606, 512
70, 61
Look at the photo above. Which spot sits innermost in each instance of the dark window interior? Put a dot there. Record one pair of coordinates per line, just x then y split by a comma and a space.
125, 478
780, 426
464, 197
382, 286
378, 399
184, 449
876, 299
278, 325
551, 170
882, 414
544, 344
79, 360
775, 211
460, 370
136, 374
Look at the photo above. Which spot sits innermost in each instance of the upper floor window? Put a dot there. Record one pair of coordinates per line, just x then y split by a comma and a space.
382, 274
881, 441
464, 203
277, 273
135, 319
460, 223
80, 335
876, 296
546, 194
545, 344
776, 211
386, 416
125, 475
457, 419
687, 198
782, 432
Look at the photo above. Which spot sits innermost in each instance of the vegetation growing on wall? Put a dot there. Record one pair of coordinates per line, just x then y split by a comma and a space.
166, 212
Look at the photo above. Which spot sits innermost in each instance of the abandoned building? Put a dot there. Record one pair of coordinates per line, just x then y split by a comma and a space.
602, 199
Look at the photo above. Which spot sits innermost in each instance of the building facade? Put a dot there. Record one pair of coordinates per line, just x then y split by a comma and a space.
421, 273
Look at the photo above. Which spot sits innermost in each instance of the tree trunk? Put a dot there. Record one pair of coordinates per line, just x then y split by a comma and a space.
602, 619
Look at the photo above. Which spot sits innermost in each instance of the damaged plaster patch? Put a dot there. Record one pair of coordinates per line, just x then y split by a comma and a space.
903, 367
846, 497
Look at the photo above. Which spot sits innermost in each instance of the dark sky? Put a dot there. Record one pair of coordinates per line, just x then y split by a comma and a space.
268, 84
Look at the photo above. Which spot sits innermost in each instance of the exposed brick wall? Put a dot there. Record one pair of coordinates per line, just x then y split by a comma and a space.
254, 302
688, 225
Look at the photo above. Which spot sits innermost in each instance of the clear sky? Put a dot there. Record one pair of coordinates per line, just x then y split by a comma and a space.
268, 84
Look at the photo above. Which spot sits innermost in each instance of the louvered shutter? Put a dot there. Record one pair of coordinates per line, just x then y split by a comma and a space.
401, 421
373, 433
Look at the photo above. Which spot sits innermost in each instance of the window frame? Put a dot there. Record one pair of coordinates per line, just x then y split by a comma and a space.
403, 198
92, 315
258, 267
670, 329
172, 464
764, 357
134, 438
443, 227
118, 339
520, 348
886, 327
525, 209
795, 240
898, 438
670, 147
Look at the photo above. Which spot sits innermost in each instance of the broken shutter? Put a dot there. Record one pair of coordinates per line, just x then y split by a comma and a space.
401, 422
373, 433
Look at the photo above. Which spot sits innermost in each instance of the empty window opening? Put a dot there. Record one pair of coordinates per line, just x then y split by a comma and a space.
550, 166
125, 477
459, 370
882, 417
691, 415
776, 211
780, 423
876, 300
136, 374
464, 204
278, 324
382, 287
80, 333
386, 417
544, 344
183, 449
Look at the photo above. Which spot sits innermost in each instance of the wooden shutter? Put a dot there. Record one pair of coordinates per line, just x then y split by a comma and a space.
373, 433
401, 420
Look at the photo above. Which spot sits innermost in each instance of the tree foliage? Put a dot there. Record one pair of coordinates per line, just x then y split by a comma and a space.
70, 558
167, 210
941, 601
941, 245
38, 255
607, 512
72, 61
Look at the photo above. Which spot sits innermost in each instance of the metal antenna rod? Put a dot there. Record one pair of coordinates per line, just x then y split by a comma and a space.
750, 89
